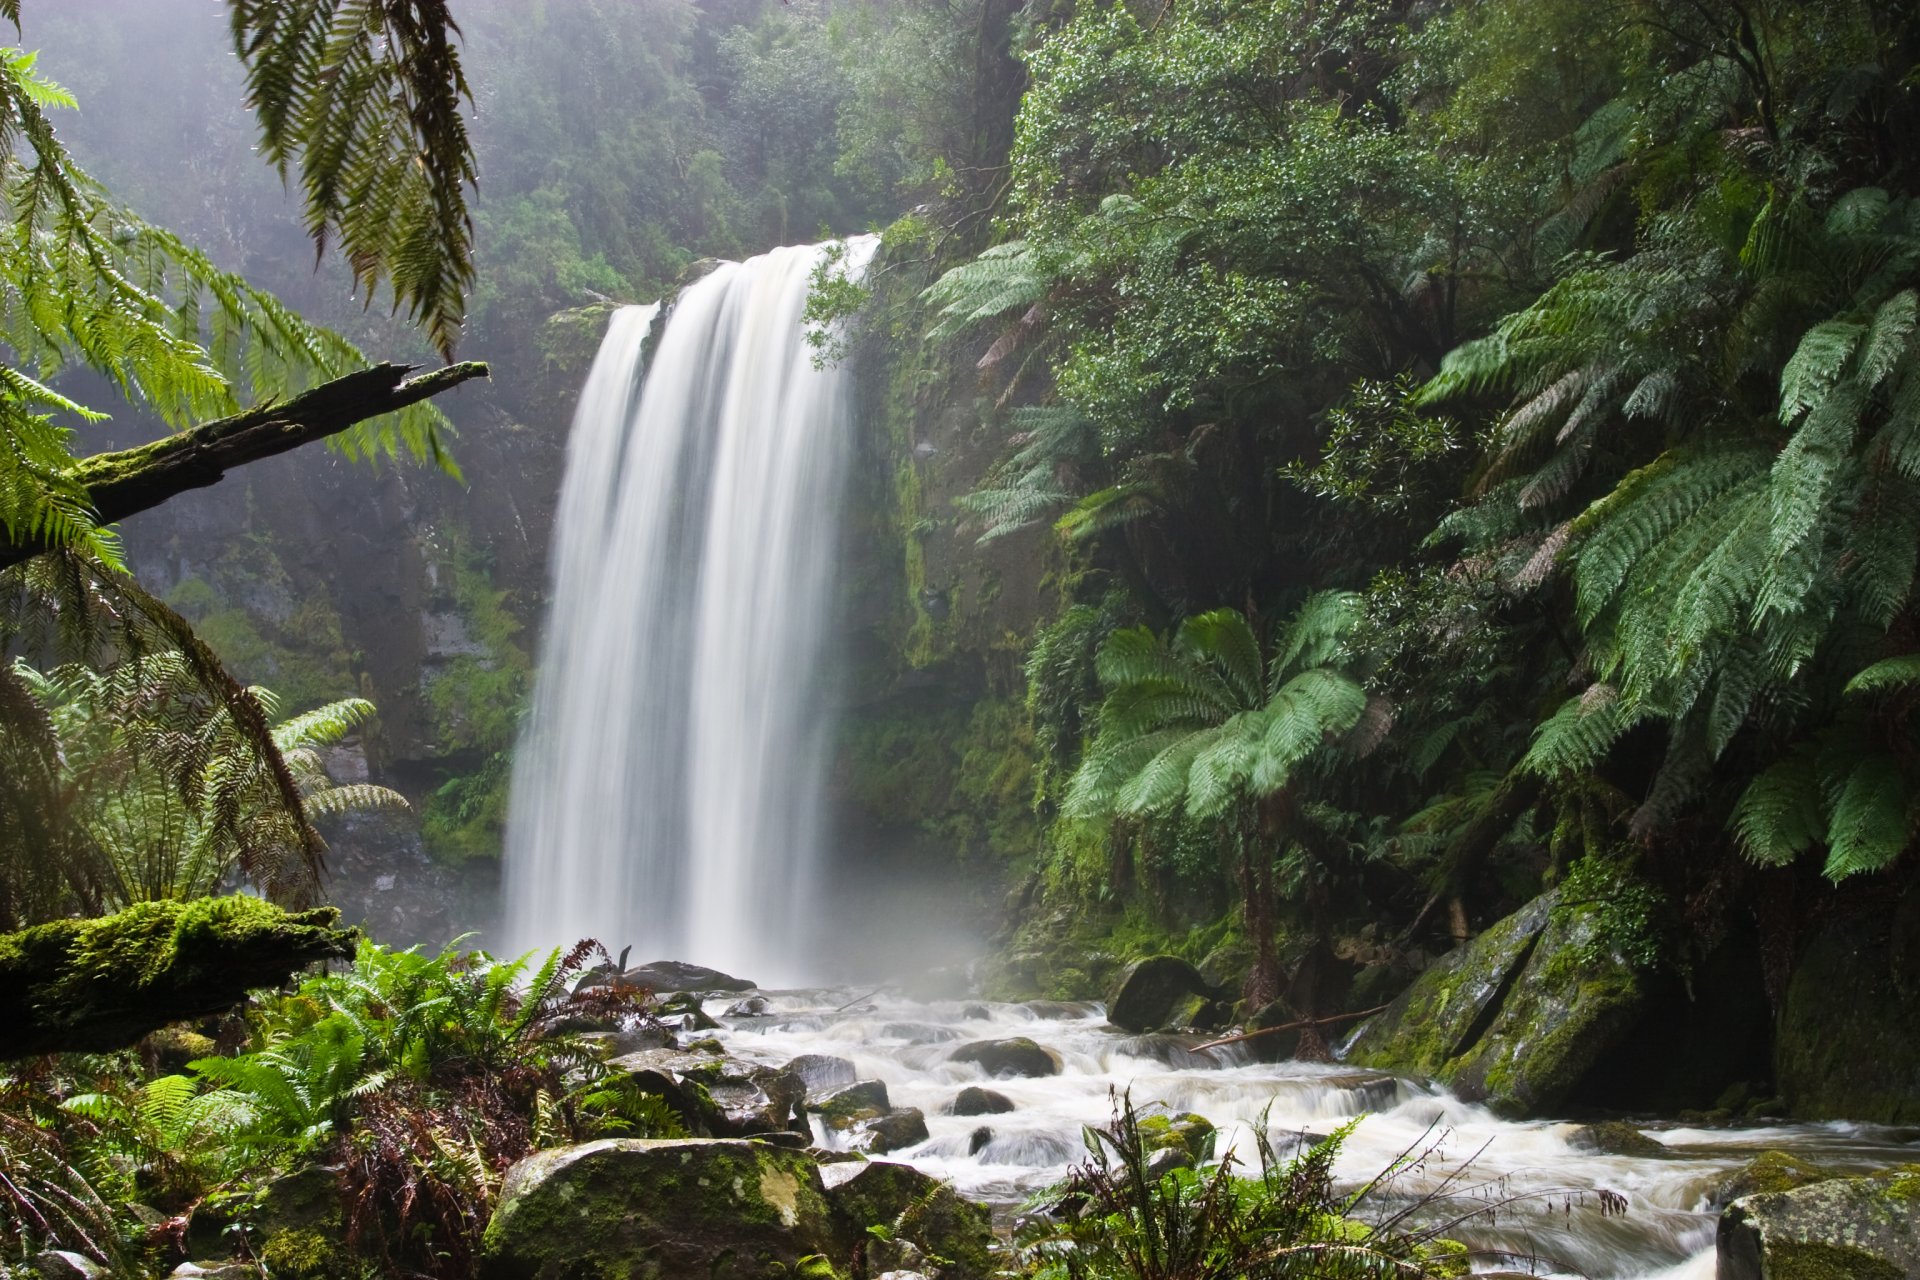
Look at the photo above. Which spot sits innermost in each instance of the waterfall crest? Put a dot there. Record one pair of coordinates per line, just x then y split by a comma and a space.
666, 792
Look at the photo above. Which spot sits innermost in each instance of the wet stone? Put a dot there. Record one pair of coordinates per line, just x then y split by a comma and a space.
975, 1101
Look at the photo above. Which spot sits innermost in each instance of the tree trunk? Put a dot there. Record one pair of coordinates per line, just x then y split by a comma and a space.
128, 481
93, 986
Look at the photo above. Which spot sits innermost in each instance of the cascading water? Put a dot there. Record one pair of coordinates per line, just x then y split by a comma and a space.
666, 792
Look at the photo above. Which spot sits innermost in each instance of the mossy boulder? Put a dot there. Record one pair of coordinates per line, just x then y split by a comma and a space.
1151, 992
853, 1105
633, 1209
1769, 1173
1442, 1014
1017, 1056
1517, 1017
1839, 1229
1190, 1134
955, 1234
1843, 1049
1618, 1138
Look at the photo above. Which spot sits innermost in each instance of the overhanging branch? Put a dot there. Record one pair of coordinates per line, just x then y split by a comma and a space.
128, 481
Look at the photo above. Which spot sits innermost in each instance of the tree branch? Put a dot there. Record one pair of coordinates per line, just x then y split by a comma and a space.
128, 481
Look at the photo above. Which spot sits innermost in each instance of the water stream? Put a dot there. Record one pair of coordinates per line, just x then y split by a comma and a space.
1551, 1222
666, 790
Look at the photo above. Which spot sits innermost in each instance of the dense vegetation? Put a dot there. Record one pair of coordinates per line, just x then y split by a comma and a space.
1577, 342
1447, 452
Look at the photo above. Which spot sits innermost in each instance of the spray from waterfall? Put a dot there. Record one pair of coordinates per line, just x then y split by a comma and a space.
666, 791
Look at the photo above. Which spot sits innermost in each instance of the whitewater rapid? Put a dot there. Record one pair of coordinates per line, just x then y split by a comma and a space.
1543, 1191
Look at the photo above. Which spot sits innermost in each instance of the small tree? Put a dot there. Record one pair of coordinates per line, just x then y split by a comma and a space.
1208, 723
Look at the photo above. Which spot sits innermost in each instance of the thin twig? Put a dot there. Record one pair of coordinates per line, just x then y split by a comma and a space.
1290, 1026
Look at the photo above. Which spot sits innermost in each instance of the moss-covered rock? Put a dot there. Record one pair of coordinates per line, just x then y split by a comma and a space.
1843, 1050
1190, 1134
1617, 1138
855, 1104
1518, 1017
1152, 992
660, 1210
1441, 1016
1769, 1173
1839, 1229
903, 1203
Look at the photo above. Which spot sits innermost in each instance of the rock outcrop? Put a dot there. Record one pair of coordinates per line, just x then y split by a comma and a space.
1018, 1056
661, 1210
1517, 1017
1157, 992
1843, 1049
953, 1235
1860, 1228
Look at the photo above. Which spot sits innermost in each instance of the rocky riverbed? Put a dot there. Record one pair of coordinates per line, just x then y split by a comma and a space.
993, 1098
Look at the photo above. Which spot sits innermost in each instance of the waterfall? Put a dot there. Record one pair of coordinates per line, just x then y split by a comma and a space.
666, 791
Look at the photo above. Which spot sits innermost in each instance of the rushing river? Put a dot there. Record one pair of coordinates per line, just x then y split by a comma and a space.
1549, 1221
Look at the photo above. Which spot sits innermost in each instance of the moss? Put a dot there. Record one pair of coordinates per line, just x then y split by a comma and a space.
1193, 1134
1809, 1260
104, 983
305, 1255
1770, 1172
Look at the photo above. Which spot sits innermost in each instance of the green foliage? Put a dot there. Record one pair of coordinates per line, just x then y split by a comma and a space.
1206, 723
1114, 1220
364, 97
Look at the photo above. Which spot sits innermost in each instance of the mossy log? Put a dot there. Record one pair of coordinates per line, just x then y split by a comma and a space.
128, 481
90, 986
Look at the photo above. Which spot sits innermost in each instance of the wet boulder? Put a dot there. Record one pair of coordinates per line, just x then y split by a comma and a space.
718, 1096
674, 1207
1769, 1173
1517, 1017
899, 1129
905, 1204
1432, 1022
1190, 1134
1018, 1056
975, 1101
1151, 991
855, 1104
1618, 1138
664, 976
822, 1073
1863, 1228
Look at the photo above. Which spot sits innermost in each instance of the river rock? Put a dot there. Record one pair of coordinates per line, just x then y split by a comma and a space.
1618, 1138
975, 1101
752, 1007
663, 976
899, 1129
1166, 1160
1151, 990
1517, 1017
1058, 1010
671, 1207
822, 1073
1189, 1133
979, 1140
1018, 1056
63, 1264
855, 1104
684, 1009
1768, 1173
909, 1205
1862, 1228
717, 1096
